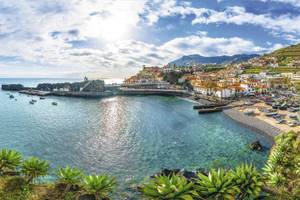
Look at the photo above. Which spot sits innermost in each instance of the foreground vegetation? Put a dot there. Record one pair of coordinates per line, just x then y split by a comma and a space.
280, 179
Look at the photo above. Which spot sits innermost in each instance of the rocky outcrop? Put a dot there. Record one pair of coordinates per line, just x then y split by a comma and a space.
12, 87
256, 146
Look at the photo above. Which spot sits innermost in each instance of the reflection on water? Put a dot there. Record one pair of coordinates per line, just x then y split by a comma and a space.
128, 137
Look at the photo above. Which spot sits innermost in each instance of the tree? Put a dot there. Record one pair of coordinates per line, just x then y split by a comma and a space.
9, 160
172, 187
70, 177
218, 185
99, 185
34, 167
248, 180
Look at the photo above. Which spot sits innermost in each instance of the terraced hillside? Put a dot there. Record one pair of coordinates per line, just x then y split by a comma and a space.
288, 55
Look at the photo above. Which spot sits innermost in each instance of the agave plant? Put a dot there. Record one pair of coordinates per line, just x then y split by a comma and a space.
99, 185
217, 185
173, 187
9, 160
282, 169
70, 177
34, 167
248, 180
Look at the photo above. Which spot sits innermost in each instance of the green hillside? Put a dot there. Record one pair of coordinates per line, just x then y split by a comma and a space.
290, 51
287, 55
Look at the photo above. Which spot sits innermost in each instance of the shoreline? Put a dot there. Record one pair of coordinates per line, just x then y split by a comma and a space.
253, 123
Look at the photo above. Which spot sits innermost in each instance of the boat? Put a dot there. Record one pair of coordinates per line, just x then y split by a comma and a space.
292, 124
249, 112
42, 98
292, 109
54, 103
31, 102
293, 116
280, 121
11, 96
270, 114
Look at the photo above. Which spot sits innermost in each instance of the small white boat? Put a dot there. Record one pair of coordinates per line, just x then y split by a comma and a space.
249, 112
271, 114
292, 124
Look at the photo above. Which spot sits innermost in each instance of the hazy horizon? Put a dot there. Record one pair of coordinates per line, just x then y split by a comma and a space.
114, 38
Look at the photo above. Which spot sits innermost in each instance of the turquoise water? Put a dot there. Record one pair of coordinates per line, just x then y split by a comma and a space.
127, 137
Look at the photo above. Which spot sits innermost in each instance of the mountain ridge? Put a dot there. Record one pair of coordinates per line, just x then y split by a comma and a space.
195, 59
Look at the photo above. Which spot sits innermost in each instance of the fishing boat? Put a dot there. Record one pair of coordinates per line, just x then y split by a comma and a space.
54, 103
42, 98
280, 121
292, 124
270, 114
249, 112
293, 116
11, 96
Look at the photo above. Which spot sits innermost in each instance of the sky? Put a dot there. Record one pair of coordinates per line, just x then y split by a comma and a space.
115, 38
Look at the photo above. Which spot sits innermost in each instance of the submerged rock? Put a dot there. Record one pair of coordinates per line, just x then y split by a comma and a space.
256, 146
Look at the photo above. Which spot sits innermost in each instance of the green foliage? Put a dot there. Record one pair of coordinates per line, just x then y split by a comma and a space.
70, 175
282, 168
9, 160
217, 185
34, 167
173, 187
99, 185
248, 180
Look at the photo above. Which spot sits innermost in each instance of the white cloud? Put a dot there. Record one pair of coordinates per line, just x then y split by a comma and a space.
41, 35
292, 2
231, 15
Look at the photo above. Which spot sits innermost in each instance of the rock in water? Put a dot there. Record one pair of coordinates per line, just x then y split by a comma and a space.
256, 146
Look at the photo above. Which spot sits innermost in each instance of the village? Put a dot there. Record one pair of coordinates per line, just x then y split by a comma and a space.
265, 95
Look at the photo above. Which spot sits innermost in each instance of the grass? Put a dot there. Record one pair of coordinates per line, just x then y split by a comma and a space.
274, 70
15, 188
254, 70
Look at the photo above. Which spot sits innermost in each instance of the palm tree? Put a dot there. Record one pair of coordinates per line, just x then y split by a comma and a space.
218, 185
9, 160
34, 167
248, 180
70, 177
172, 187
99, 185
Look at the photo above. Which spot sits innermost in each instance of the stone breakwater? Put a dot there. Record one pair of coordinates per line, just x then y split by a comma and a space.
253, 123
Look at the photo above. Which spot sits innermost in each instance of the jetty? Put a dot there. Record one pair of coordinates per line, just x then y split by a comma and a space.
167, 92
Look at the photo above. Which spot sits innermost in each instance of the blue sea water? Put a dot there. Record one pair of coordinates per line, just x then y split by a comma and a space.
127, 137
